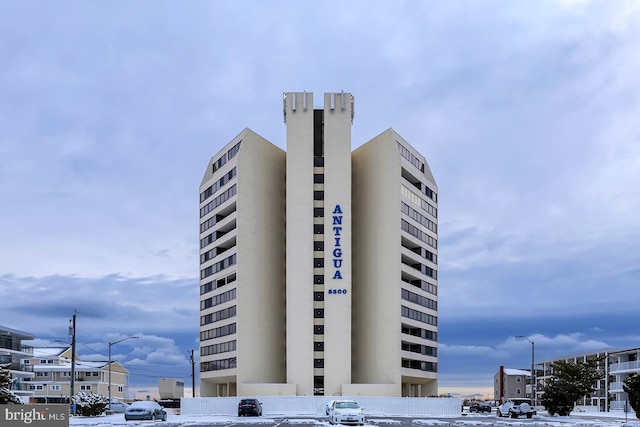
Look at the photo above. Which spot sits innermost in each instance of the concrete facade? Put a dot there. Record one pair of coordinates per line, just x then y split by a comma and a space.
318, 265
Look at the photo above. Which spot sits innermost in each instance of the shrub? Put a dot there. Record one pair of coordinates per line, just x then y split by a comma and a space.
90, 404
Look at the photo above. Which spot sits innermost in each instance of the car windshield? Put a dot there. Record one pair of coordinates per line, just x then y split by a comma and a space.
345, 405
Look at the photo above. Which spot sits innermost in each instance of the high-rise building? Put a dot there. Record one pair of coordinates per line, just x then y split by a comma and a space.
318, 265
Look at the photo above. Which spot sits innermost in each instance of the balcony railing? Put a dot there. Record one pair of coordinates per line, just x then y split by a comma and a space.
17, 347
616, 386
624, 366
20, 367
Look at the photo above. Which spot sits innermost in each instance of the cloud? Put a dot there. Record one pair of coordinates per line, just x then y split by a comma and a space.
527, 115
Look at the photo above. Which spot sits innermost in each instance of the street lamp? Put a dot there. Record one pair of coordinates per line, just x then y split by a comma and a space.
109, 386
533, 373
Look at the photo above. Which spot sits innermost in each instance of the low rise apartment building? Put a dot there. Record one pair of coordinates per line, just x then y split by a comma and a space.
52, 381
16, 356
608, 395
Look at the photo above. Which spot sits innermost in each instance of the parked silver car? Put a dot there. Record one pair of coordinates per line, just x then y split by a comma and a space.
145, 410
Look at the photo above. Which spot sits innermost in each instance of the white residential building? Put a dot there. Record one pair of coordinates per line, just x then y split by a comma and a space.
17, 358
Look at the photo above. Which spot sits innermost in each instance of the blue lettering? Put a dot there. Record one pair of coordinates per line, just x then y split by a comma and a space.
337, 275
337, 230
337, 252
337, 210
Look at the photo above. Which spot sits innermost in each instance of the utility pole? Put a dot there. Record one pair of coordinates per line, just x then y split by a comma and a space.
193, 375
72, 332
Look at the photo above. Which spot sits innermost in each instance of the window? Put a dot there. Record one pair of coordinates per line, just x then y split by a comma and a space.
318, 195
218, 316
318, 329
318, 296
419, 316
318, 162
318, 133
318, 313
318, 363
55, 387
318, 346
218, 332
318, 245
223, 347
518, 379
318, 262
518, 391
318, 228
318, 178
85, 387
233, 151
318, 212
217, 365
318, 279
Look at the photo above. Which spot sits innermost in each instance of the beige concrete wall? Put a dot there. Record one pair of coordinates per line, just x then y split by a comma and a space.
299, 258
267, 389
370, 390
260, 300
376, 183
337, 245
260, 284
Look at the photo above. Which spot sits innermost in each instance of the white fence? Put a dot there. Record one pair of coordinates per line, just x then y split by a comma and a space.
315, 405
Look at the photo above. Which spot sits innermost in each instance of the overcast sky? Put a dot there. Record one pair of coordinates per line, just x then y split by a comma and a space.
528, 113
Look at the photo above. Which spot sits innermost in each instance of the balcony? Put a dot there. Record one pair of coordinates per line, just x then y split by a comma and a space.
16, 347
623, 367
19, 367
616, 387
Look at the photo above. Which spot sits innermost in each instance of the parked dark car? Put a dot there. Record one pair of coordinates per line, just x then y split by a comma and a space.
480, 407
249, 407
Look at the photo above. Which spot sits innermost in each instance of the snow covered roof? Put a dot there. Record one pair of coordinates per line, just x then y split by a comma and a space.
509, 371
42, 352
81, 365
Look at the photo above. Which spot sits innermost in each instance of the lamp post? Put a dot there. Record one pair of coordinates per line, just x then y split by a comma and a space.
109, 386
533, 373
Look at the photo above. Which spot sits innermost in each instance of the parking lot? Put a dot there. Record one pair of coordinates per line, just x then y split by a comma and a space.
275, 420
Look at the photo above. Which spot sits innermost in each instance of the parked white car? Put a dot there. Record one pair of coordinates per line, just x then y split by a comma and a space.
346, 412
514, 407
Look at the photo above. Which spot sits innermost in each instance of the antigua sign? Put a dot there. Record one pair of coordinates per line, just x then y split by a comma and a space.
337, 249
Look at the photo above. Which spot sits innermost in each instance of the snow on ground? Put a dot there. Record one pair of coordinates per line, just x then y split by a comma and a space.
592, 419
